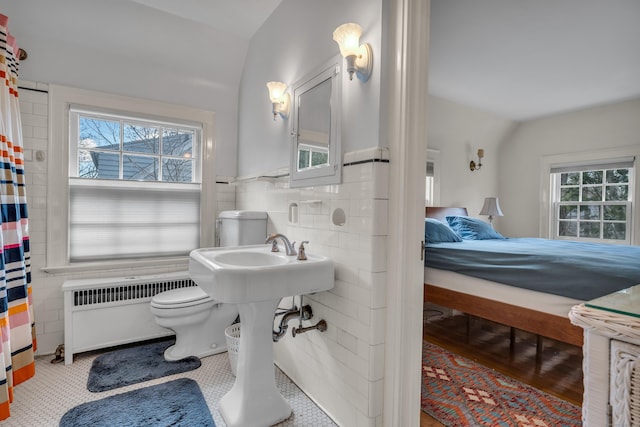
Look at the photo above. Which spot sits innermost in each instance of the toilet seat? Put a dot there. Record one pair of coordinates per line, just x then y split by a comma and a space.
179, 298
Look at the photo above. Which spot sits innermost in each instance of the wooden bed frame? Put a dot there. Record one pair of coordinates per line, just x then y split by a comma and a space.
540, 323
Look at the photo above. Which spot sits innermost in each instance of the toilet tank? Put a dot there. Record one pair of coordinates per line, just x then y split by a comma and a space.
237, 228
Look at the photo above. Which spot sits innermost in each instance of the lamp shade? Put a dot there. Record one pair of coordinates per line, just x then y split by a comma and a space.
491, 207
348, 38
276, 91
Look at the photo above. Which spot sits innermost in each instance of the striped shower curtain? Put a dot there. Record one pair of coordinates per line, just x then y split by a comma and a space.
17, 331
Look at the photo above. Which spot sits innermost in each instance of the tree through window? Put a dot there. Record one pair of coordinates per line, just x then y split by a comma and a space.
593, 202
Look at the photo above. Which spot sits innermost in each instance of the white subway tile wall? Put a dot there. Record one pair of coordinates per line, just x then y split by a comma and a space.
341, 369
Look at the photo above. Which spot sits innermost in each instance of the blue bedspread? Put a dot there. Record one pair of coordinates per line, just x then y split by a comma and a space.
572, 269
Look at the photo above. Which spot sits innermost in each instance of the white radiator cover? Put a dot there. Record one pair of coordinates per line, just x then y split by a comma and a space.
101, 313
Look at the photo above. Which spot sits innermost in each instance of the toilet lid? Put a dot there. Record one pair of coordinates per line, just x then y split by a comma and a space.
175, 298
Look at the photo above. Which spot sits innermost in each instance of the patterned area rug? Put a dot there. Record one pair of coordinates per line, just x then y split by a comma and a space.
459, 392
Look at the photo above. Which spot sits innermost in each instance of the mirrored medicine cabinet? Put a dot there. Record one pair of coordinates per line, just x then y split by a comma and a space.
316, 149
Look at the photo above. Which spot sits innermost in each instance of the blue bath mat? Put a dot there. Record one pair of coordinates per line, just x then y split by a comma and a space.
174, 403
132, 365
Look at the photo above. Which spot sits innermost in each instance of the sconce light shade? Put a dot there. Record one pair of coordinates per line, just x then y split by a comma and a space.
359, 56
491, 207
279, 99
476, 166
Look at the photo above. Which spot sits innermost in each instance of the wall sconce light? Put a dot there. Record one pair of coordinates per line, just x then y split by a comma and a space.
491, 207
473, 166
280, 99
359, 56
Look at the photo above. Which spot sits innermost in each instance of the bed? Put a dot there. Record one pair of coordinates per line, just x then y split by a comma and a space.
543, 313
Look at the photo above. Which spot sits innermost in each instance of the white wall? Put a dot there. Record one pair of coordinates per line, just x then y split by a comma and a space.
295, 40
606, 127
176, 61
457, 131
47, 294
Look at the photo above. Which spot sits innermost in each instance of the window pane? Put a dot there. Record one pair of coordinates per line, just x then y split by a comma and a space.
318, 159
141, 168
617, 175
592, 194
592, 177
617, 193
175, 170
615, 213
590, 229
568, 229
303, 159
177, 143
93, 164
572, 178
96, 133
571, 194
87, 168
589, 212
614, 230
141, 139
569, 212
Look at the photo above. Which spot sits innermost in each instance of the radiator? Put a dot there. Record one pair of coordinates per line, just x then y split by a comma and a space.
101, 313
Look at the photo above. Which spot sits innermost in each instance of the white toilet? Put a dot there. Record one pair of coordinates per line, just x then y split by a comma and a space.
198, 320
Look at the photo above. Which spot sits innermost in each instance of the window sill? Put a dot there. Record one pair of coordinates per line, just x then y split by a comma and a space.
117, 265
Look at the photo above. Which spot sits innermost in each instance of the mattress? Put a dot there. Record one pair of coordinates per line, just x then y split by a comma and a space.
534, 300
577, 270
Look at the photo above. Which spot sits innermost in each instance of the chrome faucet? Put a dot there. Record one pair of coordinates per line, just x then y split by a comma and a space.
291, 250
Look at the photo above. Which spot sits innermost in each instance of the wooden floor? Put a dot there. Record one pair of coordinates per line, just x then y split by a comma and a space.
558, 371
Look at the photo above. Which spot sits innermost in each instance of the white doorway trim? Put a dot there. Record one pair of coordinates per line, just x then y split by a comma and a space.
406, 92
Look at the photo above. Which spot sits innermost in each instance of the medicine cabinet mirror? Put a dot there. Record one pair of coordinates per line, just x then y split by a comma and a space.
316, 149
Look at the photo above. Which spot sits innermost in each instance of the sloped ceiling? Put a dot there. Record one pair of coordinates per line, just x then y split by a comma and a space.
521, 59
524, 59
238, 17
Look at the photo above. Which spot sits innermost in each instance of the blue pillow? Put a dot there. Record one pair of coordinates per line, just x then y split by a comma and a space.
437, 232
472, 228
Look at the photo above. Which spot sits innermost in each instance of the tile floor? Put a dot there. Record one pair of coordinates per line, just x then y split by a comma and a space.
56, 388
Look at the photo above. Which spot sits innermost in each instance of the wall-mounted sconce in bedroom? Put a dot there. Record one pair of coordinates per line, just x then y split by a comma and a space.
476, 166
359, 56
280, 99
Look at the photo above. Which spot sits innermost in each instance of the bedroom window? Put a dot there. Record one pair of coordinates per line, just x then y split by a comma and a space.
593, 202
429, 185
134, 186
432, 180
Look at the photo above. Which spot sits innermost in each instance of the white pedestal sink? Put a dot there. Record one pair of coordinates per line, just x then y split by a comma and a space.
256, 279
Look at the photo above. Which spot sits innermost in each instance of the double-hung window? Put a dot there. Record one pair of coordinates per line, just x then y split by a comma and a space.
134, 186
593, 202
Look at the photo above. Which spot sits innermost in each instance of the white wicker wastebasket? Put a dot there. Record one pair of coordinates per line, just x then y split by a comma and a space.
232, 336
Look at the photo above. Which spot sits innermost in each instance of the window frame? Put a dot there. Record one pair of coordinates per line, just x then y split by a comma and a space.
76, 112
432, 183
557, 204
61, 99
551, 161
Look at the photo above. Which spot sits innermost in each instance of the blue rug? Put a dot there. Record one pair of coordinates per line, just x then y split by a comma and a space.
132, 365
174, 403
